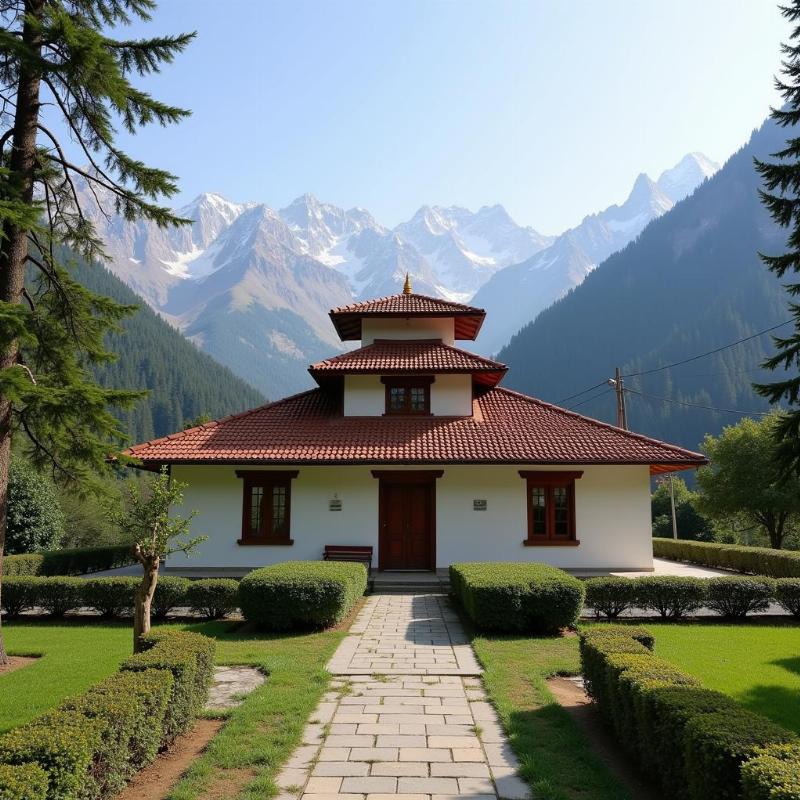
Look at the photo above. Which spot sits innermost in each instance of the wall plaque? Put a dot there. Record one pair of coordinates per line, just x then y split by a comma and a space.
479, 505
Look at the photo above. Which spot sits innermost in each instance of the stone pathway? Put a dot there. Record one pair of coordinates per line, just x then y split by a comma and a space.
232, 684
406, 717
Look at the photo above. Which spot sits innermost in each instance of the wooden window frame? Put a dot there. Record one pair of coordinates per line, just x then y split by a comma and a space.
407, 382
267, 480
549, 481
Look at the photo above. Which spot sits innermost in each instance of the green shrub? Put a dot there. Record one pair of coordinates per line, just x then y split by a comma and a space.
112, 597
609, 597
131, 709
213, 597
35, 521
755, 560
28, 564
170, 593
57, 595
63, 744
671, 596
313, 594
737, 596
190, 659
517, 597
606, 630
20, 593
774, 774
787, 593
22, 782
716, 746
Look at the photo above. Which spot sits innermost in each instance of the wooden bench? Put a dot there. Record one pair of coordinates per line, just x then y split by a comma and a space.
361, 554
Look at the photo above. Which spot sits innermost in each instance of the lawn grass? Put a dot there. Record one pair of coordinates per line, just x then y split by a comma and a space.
756, 664
73, 656
556, 757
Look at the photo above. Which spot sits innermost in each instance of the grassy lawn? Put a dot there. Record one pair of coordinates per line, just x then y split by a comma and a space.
555, 755
259, 735
758, 665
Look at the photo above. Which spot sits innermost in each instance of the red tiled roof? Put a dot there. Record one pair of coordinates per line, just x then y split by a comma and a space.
506, 427
392, 356
347, 319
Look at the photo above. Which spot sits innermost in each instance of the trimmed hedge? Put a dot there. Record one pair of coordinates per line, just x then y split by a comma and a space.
23, 782
755, 560
75, 561
517, 597
112, 597
20, 593
170, 593
787, 593
213, 597
609, 597
90, 747
735, 597
314, 594
671, 596
774, 774
693, 739
57, 595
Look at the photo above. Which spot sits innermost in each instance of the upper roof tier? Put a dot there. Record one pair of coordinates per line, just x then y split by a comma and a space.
397, 356
347, 319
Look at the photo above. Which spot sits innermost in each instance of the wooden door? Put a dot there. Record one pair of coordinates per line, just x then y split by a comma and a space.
406, 520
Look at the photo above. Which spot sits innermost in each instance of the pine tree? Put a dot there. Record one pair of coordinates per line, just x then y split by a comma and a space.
63, 52
781, 196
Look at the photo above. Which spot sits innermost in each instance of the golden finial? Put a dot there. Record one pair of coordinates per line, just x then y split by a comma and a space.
407, 285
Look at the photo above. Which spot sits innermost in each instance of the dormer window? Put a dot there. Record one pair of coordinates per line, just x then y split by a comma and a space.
408, 395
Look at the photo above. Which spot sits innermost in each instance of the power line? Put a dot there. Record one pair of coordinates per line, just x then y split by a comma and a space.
593, 397
578, 394
709, 353
698, 405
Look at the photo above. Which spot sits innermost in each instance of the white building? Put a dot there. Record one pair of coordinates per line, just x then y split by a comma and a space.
410, 446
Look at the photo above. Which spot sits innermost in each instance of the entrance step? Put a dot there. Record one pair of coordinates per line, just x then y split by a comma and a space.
410, 582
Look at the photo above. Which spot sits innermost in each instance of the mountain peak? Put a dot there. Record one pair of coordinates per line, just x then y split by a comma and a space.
682, 179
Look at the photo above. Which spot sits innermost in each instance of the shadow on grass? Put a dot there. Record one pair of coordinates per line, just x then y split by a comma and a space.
780, 703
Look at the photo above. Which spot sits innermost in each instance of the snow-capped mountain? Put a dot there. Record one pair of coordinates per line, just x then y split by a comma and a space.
515, 295
252, 286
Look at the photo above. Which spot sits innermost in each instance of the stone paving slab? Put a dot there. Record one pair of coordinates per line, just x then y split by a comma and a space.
420, 728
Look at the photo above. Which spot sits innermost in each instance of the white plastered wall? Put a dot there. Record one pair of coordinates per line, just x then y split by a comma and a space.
365, 396
408, 328
612, 507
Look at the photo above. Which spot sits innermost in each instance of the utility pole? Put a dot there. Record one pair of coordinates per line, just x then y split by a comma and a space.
672, 505
619, 387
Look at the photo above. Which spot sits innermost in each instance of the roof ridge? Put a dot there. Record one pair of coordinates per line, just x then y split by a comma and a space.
476, 355
599, 423
354, 306
214, 422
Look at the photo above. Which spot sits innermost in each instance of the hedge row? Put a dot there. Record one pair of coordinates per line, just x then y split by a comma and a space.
301, 593
694, 741
91, 746
69, 562
113, 597
517, 597
674, 597
755, 560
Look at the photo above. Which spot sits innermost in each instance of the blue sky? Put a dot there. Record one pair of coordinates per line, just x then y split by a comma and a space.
549, 108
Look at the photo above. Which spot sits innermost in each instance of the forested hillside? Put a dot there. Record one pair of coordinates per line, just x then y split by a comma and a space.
690, 283
183, 381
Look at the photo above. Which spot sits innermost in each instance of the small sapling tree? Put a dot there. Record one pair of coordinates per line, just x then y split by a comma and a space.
155, 534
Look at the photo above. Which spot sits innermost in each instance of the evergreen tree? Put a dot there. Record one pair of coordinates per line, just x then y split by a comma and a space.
64, 53
781, 196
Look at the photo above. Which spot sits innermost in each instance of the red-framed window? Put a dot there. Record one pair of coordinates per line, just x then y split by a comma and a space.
266, 506
551, 507
408, 394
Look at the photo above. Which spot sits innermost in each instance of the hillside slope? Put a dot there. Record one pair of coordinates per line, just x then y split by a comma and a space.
183, 381
691, 282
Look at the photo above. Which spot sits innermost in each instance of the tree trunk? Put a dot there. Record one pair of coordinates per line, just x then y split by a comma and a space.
143, 601
777, 532
22, 165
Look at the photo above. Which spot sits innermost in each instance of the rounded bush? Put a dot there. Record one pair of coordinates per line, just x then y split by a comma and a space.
309, 594
112, 597
213, 597
57, 595
35, 520
736, 596
774, 774
170, 593
610, 596
787, 593
23, 782
20, 593
671, 596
